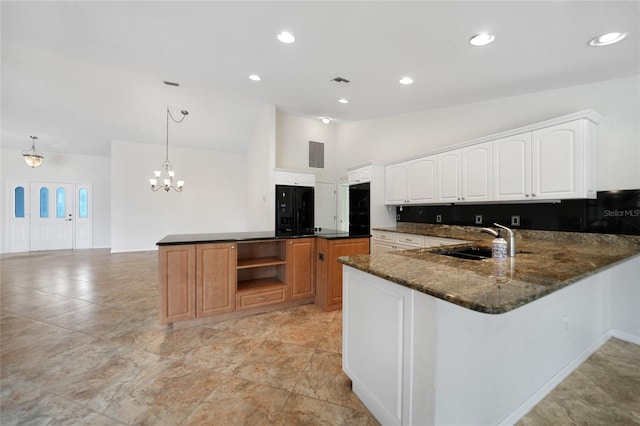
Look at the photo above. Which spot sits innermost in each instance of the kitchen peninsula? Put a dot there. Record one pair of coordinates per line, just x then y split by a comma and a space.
433, 339
206, 277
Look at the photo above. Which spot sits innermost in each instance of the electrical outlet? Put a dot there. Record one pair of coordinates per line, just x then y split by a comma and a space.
515, 220
438, 218
478, 219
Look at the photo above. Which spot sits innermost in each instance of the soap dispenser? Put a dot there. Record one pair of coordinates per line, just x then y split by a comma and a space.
499, 247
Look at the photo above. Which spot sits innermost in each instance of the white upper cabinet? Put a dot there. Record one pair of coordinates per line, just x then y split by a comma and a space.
411, 182
421, 180
477, 172
563, 161
449, 176
295, 179
395, 184
360, 175
553, 163
512, 168
552, 160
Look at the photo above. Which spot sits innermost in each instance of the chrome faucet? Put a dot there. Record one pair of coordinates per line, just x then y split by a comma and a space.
511, 240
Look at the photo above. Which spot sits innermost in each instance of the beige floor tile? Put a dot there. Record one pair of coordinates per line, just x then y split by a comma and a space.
331, 341
275, 364
225, 352
31, 405
239, 402
81, 343
167, 398
302, 410
324, 379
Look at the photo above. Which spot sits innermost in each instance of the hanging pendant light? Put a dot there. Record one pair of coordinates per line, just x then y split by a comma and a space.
164, 178
32, 157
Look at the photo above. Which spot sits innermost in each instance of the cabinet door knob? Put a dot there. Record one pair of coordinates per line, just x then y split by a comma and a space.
533, 195
233, 247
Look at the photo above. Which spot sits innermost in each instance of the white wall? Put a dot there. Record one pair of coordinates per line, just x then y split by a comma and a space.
293, 134
401, 136
61, 168
213, 200
261, 160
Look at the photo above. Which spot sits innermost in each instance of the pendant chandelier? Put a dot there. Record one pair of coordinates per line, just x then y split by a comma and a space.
164, 178
32, 157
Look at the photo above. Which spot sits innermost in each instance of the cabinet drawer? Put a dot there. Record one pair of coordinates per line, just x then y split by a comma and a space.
252, 299
410, 239
439, 241
384, 236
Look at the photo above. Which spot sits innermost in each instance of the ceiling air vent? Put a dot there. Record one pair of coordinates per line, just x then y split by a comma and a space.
340, 80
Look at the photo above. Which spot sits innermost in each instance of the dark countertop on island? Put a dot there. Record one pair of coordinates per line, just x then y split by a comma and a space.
545, 262
229, 237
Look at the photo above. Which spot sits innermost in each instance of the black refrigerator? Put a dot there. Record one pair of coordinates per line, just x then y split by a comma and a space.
294, 210
359, 209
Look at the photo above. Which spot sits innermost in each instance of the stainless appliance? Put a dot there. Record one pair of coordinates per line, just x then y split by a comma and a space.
294, 210
359, 209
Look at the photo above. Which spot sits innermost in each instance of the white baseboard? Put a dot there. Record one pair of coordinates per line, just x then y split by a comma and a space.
625, 336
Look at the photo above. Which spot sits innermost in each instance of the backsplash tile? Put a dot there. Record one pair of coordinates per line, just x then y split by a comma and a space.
613, 212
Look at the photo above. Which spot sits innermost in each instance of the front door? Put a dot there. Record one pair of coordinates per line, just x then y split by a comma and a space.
52, 207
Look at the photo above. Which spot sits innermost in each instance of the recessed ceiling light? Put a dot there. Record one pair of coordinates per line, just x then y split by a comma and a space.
405, 80
607, 39
255, 77
343, 100
325, 120
286, 37
482, 39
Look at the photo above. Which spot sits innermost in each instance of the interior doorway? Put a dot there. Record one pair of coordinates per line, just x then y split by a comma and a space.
325, 205
49, 216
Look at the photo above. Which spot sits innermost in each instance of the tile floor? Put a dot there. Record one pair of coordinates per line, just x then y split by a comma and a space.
81, 344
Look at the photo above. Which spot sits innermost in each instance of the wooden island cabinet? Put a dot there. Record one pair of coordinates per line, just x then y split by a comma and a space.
301, 267
210, 279
329, 270
215, 279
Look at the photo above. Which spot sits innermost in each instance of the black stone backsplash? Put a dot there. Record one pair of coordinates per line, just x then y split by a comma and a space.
613, 212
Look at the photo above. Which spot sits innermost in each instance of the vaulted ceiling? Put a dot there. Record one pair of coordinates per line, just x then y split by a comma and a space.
78, 74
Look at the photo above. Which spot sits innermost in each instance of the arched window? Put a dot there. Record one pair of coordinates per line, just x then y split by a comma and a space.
44, 202
83, 203
18, 201
60, 203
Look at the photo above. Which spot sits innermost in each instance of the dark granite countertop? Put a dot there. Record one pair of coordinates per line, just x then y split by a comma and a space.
545, 262
228, 237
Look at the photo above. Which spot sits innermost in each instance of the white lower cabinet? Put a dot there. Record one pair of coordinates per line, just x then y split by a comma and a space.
418, 360
386, 241
376, 362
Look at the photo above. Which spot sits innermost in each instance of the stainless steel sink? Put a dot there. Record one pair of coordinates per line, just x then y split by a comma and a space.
468, 253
